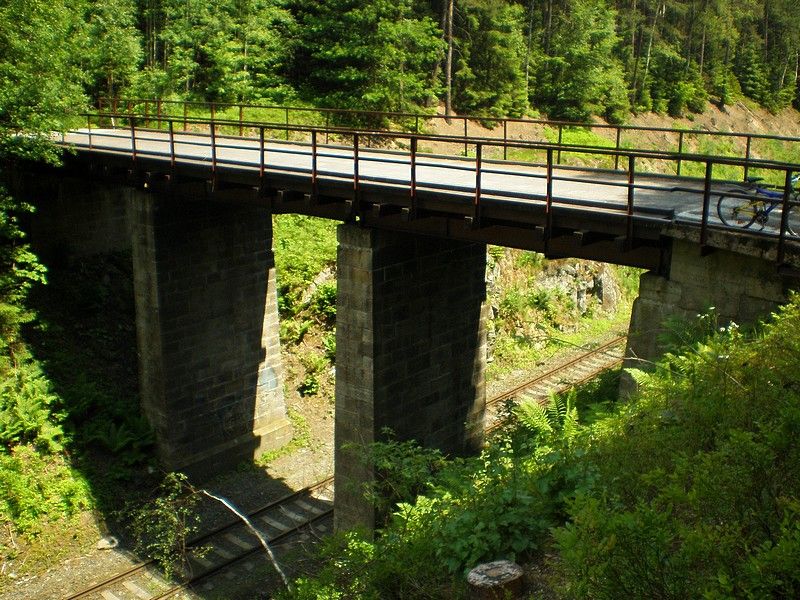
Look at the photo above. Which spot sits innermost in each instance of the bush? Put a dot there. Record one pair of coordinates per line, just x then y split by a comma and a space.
163, 526
699, 480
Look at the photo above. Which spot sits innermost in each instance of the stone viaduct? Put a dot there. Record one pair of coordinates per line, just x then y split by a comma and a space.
411, 313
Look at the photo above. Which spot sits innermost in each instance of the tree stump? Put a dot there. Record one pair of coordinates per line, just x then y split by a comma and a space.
498, 580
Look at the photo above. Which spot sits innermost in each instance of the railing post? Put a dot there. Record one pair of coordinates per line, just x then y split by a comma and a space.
185, 115
171, 144
505, 139
466, 148
785, 208
146, 114
158, 113
416, 124
747, 158
560, 137
356, 190
616, 147
133, 140
213, 111
313, 164
706, 203
262, 150
476, 208
629, 208
241, 120
89, 128
548, 206
413, 177
680, 151
287, 123
213, 153
327, 126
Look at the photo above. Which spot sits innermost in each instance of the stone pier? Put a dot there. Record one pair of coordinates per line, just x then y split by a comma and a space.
207, 329
410, 351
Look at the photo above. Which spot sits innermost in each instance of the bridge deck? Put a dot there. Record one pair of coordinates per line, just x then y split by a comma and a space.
586, 200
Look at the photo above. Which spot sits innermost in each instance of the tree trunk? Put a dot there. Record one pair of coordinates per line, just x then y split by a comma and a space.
650, 46
528, 52
496, 580
702, 49
448, 106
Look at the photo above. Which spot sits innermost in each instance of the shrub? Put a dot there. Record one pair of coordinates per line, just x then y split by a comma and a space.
162, 527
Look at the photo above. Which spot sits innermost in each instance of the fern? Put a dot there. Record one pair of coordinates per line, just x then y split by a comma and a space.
556, 421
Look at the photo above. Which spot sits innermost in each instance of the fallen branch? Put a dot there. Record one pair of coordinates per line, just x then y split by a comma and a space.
252, 528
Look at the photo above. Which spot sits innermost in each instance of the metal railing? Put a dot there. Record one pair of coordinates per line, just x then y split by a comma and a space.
406, 151
156, 110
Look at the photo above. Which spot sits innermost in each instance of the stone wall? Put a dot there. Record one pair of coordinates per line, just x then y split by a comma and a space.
207, 328
410, 351
77, 218
742, 289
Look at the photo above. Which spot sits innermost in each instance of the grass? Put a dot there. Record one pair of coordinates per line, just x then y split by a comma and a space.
301, 438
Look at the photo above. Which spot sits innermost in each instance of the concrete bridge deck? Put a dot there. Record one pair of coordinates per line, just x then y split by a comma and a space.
590, 212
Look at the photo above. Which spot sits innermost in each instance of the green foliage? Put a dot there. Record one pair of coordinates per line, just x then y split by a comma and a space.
329, 345
36, 487
323, 302
112, 48
689, 490
578, 75
39, 79
304, 246
26, 398
163, 527
698, 485
403, 470
19, 271
314, 365
555, 421
487, 78
368, 55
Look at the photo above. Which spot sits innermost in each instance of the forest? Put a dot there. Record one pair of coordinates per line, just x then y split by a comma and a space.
569, 59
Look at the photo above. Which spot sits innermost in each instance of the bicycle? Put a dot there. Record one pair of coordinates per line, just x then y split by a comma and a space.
743, 205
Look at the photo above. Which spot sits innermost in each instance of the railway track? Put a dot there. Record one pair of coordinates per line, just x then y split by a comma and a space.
311, 507
230, 546
572, 373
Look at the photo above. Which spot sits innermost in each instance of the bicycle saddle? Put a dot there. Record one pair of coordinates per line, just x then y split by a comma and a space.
754, 179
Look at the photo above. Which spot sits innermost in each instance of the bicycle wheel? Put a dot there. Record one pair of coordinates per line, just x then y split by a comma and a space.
793, 222
735, 211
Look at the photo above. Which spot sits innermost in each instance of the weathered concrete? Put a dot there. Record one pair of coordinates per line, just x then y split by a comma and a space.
742, 289
207, 329
410, 351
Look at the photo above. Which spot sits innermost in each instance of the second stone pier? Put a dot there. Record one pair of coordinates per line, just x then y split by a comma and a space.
410, 351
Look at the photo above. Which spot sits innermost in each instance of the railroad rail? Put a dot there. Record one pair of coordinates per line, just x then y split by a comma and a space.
562, 378
230, 545
287, 516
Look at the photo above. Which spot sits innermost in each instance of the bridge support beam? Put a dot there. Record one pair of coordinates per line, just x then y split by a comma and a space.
742, 289
207, 329
410, 352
